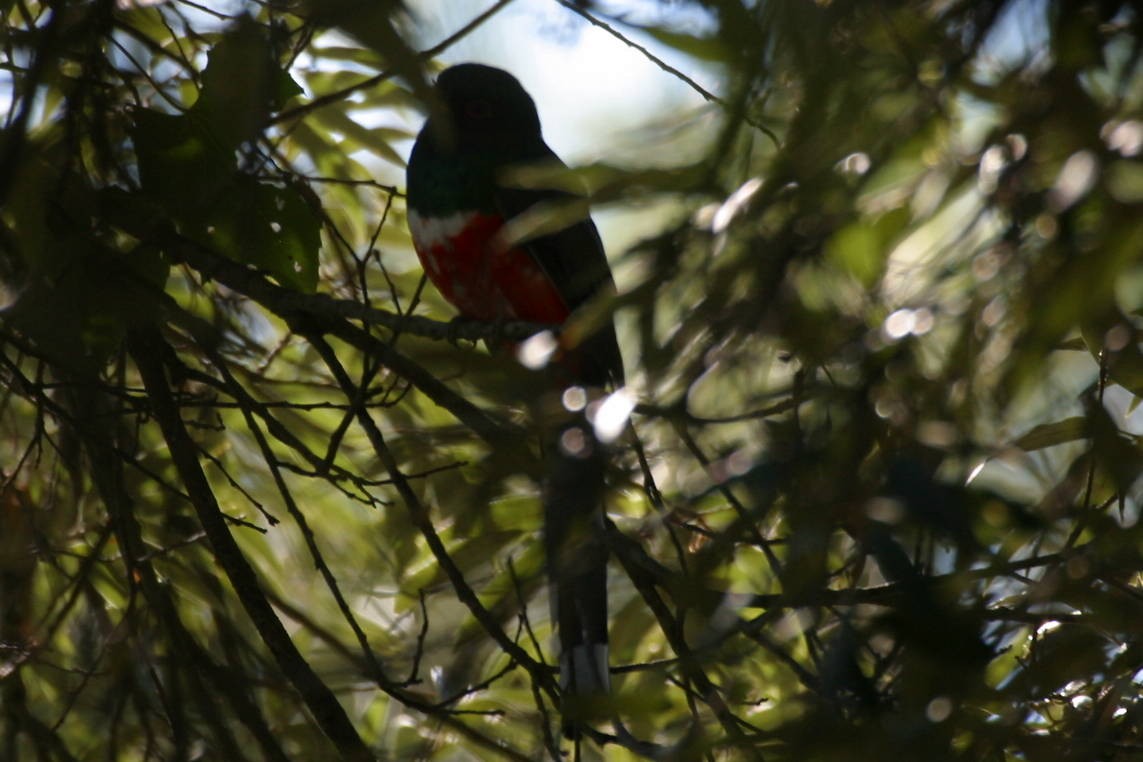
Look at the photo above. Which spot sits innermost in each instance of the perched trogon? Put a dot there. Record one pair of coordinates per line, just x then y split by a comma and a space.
462, 205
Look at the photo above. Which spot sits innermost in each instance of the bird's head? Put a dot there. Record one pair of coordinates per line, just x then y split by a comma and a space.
483, 108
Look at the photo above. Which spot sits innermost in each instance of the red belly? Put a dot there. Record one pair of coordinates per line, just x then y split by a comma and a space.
482, 278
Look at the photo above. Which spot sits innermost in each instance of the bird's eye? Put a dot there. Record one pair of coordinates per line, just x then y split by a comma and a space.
478, 109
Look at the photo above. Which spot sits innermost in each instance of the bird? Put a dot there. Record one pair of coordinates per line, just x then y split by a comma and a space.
464, 215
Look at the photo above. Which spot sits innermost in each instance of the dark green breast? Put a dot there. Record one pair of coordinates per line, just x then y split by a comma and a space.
440, 184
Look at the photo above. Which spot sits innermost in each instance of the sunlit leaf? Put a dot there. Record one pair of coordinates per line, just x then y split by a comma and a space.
1052, 434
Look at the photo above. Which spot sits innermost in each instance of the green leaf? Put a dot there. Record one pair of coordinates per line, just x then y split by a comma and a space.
241, 84
702, 48
1125, 181
286, 88
179, 164
862, 247
322, 82
377, 140
1125, 364
1052, 434
271, 227
350, 53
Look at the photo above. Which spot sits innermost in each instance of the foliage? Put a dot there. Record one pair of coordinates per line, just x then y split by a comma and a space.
261, 499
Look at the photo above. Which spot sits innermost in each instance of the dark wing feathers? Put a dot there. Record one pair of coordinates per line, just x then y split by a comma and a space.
574, 260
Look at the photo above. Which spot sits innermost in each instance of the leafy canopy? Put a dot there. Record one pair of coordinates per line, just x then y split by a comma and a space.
259, 498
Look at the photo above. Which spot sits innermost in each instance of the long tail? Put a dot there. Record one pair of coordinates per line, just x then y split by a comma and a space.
577, 570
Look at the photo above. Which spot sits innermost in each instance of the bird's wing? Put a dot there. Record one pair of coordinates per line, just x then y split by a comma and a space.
573, 258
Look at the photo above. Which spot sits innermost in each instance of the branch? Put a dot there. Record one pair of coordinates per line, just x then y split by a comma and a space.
320, 313
439, 712
420, 518
706, 94
688, 662
375, 669
286, 302
91, 423
147, 349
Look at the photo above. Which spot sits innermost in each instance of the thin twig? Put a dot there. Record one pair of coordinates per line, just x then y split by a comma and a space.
706, 94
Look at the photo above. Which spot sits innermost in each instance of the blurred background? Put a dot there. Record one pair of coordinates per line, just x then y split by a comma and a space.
880, 294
